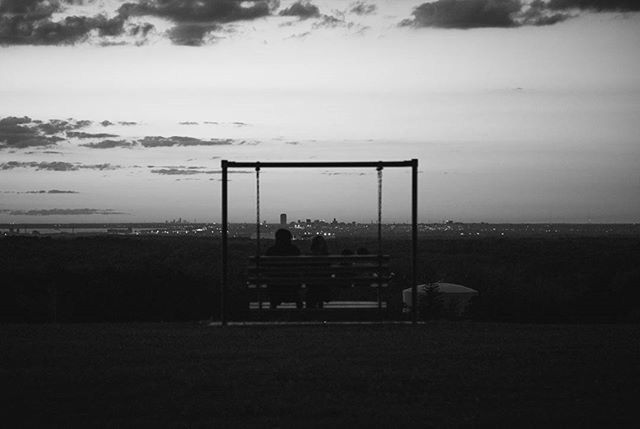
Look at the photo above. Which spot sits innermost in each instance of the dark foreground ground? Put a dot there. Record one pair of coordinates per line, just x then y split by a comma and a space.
442, 374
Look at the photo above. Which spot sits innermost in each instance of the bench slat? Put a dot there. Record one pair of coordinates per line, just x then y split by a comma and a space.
307, 259
340, 284
314, 280
330, 270
319, 270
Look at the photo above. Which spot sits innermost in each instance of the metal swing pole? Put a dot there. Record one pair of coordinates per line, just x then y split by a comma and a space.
225, 228
414, 241
258, 285
379, 170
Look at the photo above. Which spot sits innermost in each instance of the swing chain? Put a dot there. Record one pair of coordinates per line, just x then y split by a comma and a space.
258, 209
258, 236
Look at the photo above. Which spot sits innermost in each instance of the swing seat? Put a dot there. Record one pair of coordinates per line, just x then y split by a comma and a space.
332, 271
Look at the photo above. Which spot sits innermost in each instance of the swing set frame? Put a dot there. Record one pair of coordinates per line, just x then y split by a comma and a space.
379, 165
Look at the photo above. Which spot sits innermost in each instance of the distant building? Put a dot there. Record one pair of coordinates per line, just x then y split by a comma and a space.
283, 219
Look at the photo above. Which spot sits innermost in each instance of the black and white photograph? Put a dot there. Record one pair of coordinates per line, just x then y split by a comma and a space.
319, 213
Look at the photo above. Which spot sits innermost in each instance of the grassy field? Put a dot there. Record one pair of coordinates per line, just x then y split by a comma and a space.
442, 374
177, 279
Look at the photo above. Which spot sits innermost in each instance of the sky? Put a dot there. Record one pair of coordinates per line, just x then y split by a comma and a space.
121, 111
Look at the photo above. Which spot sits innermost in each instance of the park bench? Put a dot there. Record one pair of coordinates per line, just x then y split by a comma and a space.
333, 271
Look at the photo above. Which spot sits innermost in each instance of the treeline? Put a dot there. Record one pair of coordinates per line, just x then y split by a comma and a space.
86, 279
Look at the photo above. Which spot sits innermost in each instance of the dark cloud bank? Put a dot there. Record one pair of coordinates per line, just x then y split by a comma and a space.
56, 166
33, 22
467, 14
24, 132
30, 22
158, 141
596, 5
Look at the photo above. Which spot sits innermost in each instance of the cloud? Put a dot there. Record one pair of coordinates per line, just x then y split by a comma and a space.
596, 5
182, 170
56, 166
467, 14
83, 135
190, 34
56, 126
537, 13
50, 191
38, 22
109, 144
32, 22
20, 140
126, 123
178, 171
194, 19
159, 141
45, 151
184, 11
33, 29
62, 212
362, 8
303, 9
14, 120
32, 9
23, 132
20, 133
329, 21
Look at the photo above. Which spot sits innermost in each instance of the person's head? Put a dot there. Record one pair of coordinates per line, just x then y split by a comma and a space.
362, 251
347, 252
319, 245
283, 237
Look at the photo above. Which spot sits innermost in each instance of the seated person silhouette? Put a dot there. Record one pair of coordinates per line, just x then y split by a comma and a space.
280, 293
318, 293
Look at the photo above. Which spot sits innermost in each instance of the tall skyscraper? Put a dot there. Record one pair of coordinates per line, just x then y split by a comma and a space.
283, 219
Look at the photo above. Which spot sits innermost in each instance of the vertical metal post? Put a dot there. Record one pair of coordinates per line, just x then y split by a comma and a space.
225, 229
414, 241
379, 273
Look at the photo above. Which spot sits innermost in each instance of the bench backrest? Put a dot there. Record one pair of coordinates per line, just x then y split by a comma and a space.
327, 269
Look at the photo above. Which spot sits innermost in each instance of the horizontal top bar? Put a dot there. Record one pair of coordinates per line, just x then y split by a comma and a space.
319, 164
